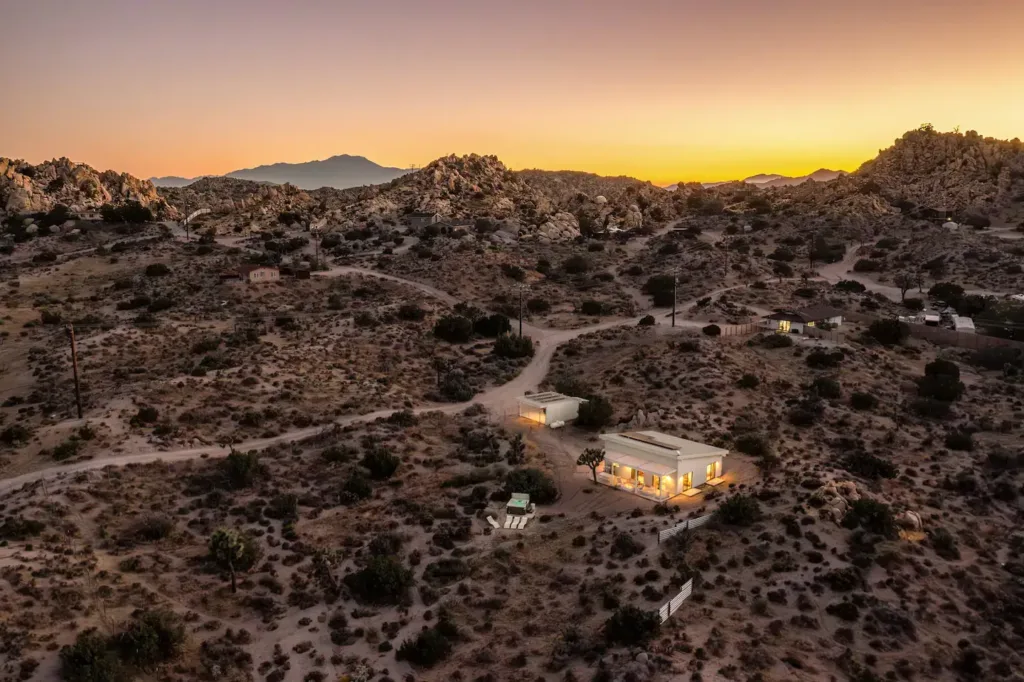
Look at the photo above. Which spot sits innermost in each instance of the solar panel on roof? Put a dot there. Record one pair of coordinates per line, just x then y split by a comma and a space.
650, 440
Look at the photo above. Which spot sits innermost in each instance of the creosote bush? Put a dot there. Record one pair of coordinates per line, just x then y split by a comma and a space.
384, 580
739, 510
632, 626
539, 486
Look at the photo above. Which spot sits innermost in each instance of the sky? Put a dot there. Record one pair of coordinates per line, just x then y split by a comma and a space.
663, 90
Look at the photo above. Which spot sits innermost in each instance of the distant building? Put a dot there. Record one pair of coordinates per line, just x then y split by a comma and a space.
254, 274
549, 408
794, 321
420, 219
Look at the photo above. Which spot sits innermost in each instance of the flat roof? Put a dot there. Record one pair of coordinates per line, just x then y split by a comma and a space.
662, 444
548, 398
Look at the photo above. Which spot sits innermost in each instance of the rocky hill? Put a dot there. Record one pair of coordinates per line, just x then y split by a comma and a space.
961, 173
25, 188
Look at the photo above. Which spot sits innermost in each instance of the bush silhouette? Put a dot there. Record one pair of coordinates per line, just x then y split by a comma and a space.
739, 510
534, 482
632, 626
384, 580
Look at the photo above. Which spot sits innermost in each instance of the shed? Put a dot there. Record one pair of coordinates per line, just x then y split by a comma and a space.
519, 504
963, 324
659, 465
549, 407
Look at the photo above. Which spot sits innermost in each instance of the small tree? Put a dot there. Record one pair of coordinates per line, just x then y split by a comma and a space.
233, 552
595, 414
739, 510
632, 626
533, 482
904, 281
90, 659
151, 638
889, 332
242, 468
509, 346
516, 451
592, 458
384, 580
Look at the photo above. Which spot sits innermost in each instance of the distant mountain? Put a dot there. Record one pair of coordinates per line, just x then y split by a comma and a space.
172, 181
775, 180
340, 172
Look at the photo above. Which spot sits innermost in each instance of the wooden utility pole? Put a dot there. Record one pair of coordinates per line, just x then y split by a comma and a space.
522, 288
675, 283
74, 365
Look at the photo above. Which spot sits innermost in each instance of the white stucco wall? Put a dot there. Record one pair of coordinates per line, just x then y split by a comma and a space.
697, 466
563, 411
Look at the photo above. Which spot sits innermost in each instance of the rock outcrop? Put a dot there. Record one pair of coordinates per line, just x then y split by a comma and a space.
25, 188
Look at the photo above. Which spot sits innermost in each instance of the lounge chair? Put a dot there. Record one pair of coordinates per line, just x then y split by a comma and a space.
494, 524
522, 524
508, 520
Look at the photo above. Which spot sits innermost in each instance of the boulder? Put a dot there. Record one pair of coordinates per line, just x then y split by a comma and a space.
600, 200
910, 520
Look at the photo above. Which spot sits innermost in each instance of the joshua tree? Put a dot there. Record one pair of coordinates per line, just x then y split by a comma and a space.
591, 457
517, 451
233, 551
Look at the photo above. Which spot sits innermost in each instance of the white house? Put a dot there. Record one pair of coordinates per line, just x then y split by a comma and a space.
549, 408
794, 321
657, 465
259, 273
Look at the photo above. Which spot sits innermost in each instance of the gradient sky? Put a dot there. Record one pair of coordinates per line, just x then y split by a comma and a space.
664, 90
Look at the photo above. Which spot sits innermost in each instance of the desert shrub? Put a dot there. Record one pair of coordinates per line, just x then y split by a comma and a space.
940, 367
445, 571
427, 649
739, 510
748, 381
241, 469
826, 387
776, 341
355, 488
455, 387
647, 321
869, 466
153, 527
20, 529
67, 449
889, 332
930, 408
913, 304
997, 358
805, 292
91, 659
843, 579
850, 286
960, 440
145, 415
823, 359
509, 346
157, 270
513, 272
384, 580
591, 308
454, 329
977, 220
625, 546
575, 265
492, 325
632, 626
874, 517
863, 401
782, 254
753, 444
538, 305
385, 544
150, 638
381, 463
410, 312
945, 387
712, 330
537, 484
944, 544
595, 414
867, 265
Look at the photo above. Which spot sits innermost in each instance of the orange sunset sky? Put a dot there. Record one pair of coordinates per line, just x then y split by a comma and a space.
664, 90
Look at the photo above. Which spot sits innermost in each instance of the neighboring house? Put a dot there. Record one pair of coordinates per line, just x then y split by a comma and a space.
549, 408
258, 273
420, 219
794, 321
659, 466
963, 324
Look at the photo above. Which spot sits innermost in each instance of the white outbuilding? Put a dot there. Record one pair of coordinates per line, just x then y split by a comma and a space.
549, 408
963, 324
658, 465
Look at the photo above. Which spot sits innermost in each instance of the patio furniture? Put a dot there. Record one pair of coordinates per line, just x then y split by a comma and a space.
494, 524
508, 520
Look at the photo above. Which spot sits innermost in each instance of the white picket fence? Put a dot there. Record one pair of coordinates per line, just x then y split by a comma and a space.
689, 524
673, 604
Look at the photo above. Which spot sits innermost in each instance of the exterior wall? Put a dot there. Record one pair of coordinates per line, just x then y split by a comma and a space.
533, 413
698, 467
563, 411
264, 275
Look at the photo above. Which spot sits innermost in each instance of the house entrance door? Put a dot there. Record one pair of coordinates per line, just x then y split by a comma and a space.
710, 471
687, 482
785, 326
656, 482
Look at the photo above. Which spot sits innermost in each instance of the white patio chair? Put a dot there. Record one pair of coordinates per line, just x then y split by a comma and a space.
508, 520
494, 524
522, 524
